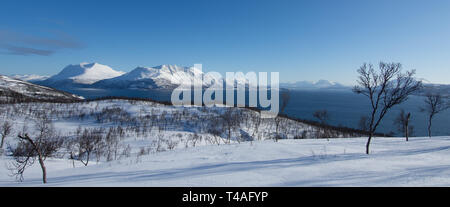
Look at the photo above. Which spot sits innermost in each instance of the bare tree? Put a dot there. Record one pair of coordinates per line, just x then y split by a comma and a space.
44, 145
5, 130
86, 146
322, 116
285, 98
402, 121
385, 89
112, 144
363, 123
434, 104
216, 134
230, 121
71, 149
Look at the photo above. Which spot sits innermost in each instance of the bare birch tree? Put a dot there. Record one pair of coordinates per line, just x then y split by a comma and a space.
5, 130
402, 121
385, 89
434, 104
44, 145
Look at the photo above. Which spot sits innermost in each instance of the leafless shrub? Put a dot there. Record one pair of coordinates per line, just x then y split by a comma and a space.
322, 115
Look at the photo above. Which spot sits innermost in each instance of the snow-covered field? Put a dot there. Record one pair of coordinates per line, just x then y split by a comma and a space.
149, 144
306, 162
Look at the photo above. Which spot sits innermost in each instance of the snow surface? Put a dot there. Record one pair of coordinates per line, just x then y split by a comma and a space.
313, 162
261, 162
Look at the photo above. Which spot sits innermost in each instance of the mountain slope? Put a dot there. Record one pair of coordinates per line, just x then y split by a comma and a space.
81, 74
13, 90
30, 78
163, 76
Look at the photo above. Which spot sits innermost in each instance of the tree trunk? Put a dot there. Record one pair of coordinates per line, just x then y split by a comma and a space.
41, 159
229, 135
407, 126
406, 131
368, 142
44, 170
276, 128
1, 144
87, 158
73, 159
429, 126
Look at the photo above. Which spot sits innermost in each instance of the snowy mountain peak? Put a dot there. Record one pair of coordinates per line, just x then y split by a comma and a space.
86, 64
174, 69
162, 75
323, 83
85, 73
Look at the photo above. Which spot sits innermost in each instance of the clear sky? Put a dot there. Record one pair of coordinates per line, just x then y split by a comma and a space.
303, 40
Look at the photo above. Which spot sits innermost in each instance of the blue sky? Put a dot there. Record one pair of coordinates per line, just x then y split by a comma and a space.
303, 40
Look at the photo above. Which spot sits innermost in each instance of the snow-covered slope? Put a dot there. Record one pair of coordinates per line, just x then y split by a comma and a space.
83, 73
13, 89
313, 162
163, 76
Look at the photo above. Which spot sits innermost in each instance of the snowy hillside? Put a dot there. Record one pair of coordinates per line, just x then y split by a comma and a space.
11, 89
143, 143
118, 129
310, 162
83, 73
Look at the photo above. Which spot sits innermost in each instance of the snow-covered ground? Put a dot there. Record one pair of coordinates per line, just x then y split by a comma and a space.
164, 145
306, 162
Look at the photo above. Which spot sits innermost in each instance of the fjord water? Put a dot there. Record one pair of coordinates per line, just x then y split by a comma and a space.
345, 108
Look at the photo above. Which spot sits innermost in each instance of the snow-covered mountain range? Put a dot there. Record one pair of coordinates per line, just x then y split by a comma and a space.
163, 76
95, 75
12, 89
321, 84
